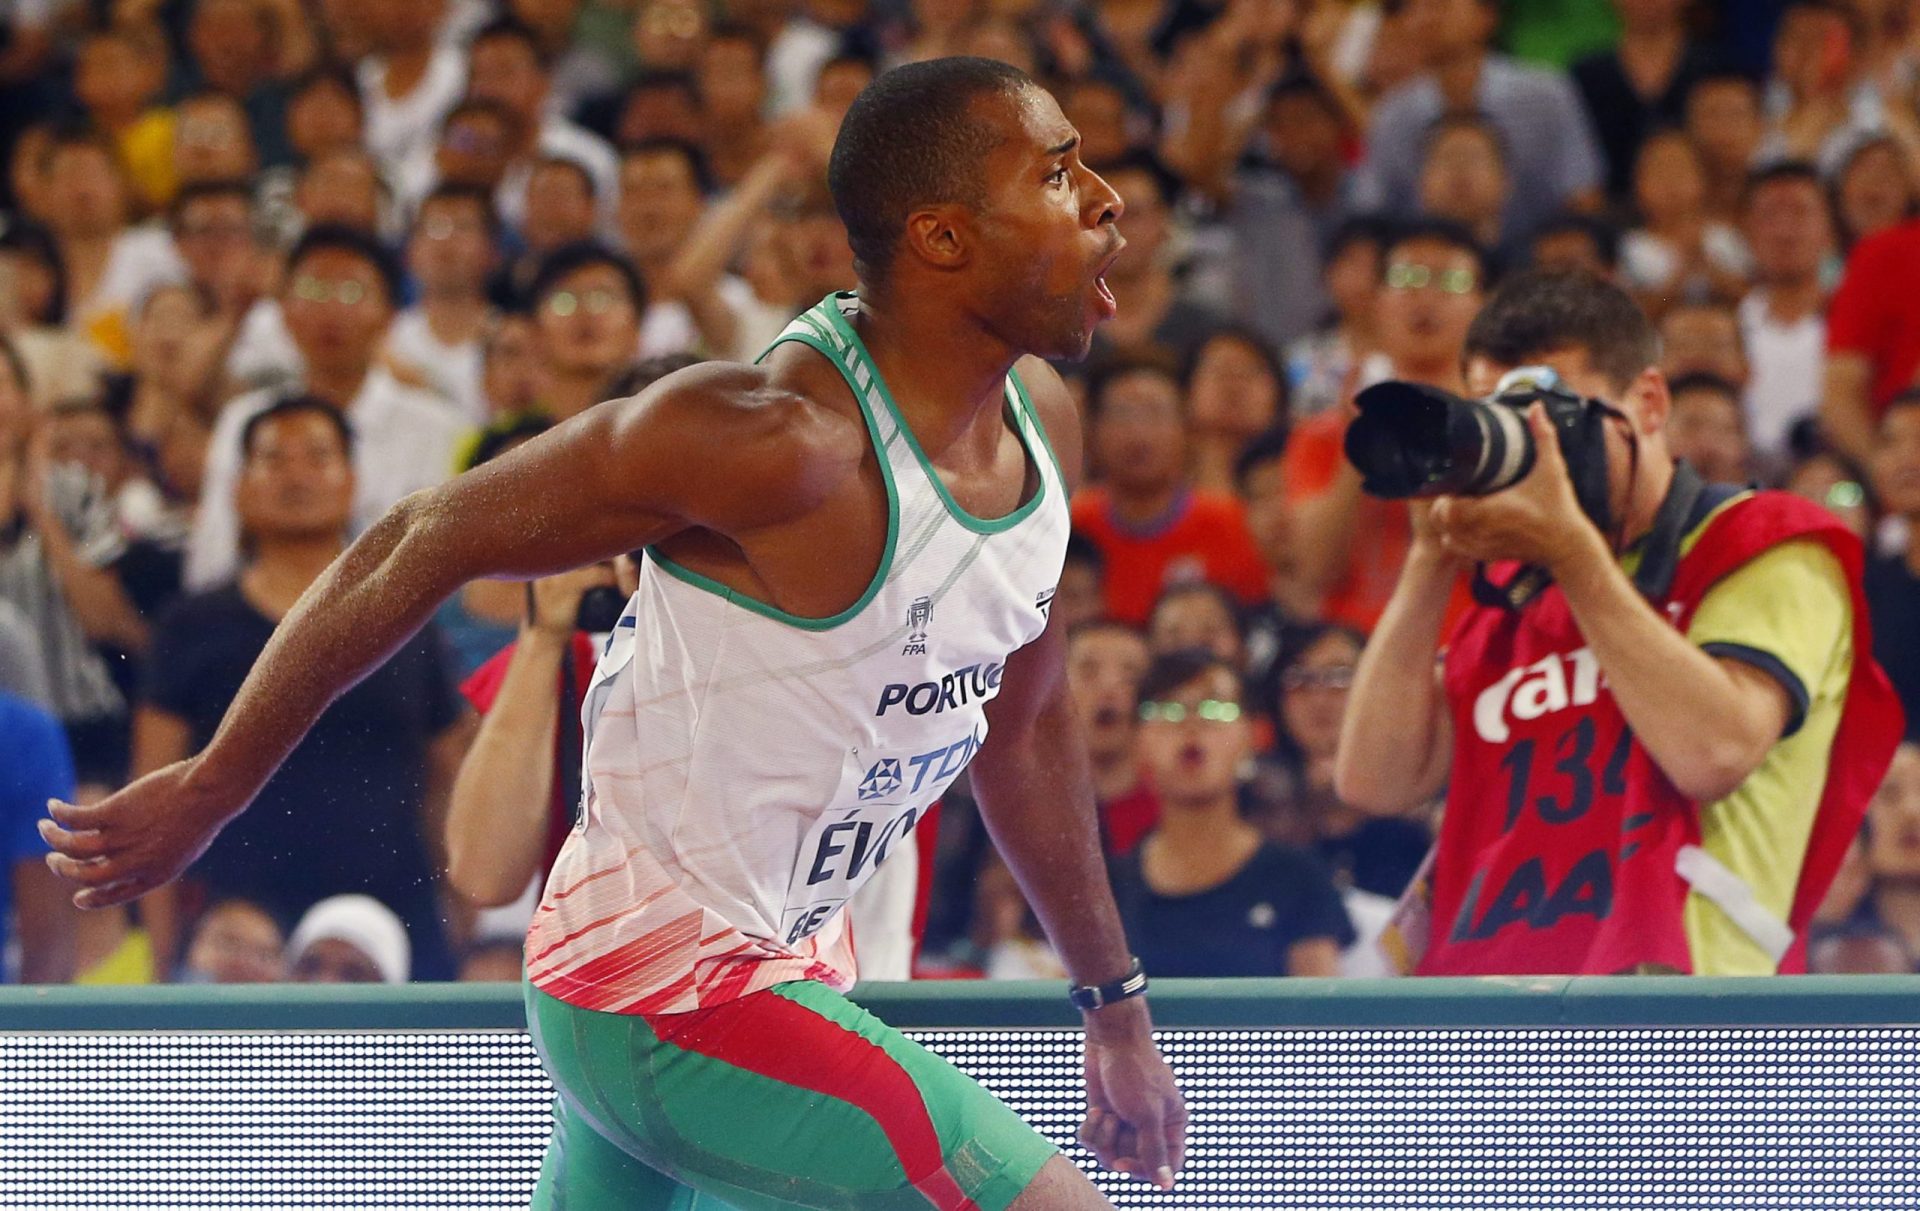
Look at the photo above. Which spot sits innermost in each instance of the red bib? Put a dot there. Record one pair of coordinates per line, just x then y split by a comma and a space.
1563, 842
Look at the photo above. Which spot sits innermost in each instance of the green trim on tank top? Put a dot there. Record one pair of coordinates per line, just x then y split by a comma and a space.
1033, 418
979, 525
708, 584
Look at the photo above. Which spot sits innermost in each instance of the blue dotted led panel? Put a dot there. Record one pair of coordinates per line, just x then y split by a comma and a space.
1542, 1120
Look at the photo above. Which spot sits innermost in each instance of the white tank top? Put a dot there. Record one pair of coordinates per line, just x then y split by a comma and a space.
747, 770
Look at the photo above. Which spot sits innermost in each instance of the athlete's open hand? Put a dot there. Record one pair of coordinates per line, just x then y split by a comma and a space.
1136, 1119
135, 840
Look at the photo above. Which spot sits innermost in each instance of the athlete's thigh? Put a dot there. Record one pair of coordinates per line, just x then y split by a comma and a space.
792, 1097
585, 1171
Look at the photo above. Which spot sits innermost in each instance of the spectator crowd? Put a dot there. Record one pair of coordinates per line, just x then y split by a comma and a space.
268, 266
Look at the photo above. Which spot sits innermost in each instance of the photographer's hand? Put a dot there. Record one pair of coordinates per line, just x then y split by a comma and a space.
1537, 521
556, 599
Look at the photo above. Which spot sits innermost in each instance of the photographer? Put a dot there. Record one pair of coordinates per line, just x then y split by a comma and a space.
1656, 759
496, 840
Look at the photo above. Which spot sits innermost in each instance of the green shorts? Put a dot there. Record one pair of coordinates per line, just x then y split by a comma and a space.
793, 1096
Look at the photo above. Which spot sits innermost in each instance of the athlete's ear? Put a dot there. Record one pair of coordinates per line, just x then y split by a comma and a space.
937, 235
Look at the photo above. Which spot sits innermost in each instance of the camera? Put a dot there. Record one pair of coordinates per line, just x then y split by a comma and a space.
600, 609
1412, 440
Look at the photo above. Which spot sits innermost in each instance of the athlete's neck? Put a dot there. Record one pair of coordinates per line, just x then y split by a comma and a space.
943, 368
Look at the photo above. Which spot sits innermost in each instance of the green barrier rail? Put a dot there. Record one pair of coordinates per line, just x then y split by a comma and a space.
1547, 1002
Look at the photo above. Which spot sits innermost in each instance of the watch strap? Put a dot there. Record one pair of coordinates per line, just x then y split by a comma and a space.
1093, 996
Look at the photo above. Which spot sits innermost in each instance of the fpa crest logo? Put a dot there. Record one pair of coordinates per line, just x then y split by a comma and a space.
883, 779
919, 614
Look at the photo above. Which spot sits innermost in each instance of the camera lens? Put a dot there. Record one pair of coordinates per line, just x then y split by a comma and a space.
1506, 448
1412, 440
600, 609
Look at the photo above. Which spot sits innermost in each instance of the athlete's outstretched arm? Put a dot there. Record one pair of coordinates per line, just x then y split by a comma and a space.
713, 446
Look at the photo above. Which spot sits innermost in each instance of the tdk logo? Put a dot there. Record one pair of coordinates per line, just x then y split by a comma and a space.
974, 683
1541, 688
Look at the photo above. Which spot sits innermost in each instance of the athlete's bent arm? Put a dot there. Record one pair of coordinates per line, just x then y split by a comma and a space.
1396, 741
1033, 781
714, 446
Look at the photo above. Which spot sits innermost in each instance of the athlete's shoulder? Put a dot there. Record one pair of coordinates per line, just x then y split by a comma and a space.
1055, 409
753, 432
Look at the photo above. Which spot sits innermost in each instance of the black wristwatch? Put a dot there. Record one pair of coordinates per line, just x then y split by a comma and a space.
1093, 996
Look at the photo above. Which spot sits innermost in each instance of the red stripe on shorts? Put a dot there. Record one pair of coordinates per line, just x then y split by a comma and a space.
765, 1033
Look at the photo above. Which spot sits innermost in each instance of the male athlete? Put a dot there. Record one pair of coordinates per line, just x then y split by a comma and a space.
852, 548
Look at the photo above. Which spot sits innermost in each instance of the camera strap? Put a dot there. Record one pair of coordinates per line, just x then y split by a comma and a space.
1526, 583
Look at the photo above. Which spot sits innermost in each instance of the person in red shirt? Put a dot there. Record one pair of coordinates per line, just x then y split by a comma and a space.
1152, 526
512, 804
1873, 337
1347, 545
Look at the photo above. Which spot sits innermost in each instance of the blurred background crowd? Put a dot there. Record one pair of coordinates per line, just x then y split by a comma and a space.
268, 265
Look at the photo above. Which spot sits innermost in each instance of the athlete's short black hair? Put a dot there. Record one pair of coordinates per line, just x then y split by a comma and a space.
1540, 311
911, 138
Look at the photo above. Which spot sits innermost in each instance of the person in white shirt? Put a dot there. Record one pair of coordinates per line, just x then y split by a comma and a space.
475, 148
560, 211
1789, 227
682, 248
508, 67
109, 265
410, 85
337, 299
450, 253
